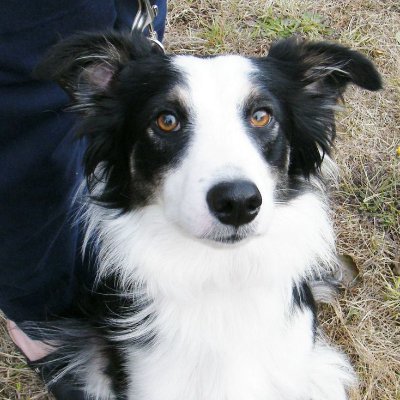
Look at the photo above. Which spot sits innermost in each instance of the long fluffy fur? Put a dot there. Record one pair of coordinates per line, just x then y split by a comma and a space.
187, 307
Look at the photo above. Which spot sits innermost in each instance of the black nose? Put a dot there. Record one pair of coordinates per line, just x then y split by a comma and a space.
234, 203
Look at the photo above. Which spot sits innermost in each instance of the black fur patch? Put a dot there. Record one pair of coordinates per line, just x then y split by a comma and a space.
304, 299
307, 79
272, 143
130, 160
122, 162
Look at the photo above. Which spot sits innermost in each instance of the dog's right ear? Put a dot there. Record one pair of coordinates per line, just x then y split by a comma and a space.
86, 64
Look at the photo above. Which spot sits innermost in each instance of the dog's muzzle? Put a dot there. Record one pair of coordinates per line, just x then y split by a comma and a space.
234, 203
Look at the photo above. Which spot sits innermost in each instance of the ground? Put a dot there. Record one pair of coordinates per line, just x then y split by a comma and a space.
365, 321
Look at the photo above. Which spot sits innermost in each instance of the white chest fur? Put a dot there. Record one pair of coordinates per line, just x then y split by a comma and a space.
231, 346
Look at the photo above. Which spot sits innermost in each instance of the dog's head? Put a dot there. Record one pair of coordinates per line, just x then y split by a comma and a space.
215, 142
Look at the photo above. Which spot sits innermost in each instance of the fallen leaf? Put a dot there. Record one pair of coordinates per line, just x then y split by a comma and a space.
396, 263
378, 53
349, 271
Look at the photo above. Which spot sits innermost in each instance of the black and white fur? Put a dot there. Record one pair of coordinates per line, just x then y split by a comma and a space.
195, 308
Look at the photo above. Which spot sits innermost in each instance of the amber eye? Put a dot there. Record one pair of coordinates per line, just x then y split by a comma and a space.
260, 118
168, 123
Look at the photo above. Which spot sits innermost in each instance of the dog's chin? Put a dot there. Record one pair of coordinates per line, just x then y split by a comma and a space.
230, 238
235, 238
213, 233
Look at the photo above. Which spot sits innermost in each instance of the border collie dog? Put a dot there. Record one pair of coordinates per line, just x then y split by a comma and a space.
208, 216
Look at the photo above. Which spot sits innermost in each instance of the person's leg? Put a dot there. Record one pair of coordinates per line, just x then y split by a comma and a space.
40, 260
40, 161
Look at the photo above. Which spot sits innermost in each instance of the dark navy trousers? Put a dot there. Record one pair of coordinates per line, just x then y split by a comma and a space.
41, 264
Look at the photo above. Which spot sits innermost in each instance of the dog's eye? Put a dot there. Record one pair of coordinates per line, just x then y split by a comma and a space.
260, 118
168, 123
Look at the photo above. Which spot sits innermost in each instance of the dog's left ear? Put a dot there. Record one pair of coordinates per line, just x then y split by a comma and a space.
326, 63
310, 77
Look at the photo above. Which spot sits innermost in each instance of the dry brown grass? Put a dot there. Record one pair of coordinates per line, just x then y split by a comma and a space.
365, 322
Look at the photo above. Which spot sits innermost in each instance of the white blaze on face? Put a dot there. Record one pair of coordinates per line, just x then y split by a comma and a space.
220, 149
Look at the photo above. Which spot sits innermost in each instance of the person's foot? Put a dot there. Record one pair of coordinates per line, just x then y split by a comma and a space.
33, 350
36, 353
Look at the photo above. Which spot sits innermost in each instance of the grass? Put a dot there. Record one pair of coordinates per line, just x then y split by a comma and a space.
365, 321
271, 25
392, 295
